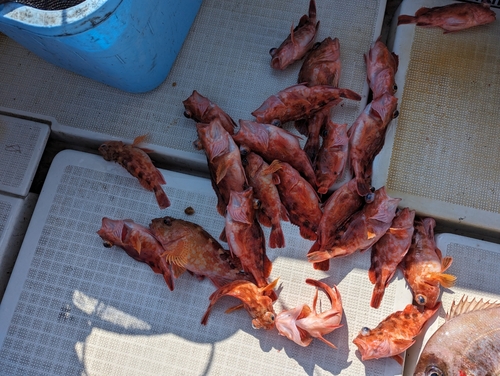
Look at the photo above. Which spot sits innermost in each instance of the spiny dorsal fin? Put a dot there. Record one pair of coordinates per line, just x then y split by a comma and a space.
465, 306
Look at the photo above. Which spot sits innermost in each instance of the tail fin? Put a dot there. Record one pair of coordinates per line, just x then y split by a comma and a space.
276, 238
377, 295
318, 256
161, 197
405, 19
323, 265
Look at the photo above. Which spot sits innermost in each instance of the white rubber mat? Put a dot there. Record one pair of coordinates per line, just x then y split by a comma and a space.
225, 58
475, 264
22, 142
76, 307
441, 153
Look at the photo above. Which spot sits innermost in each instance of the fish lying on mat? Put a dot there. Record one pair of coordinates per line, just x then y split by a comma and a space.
137, 162
451, 17
322, 64
298, 42
381, 67
301, 324
468, 343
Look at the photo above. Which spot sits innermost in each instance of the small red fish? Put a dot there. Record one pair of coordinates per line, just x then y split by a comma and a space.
245, 237
298, 42
138, 242
332, 156
424, 265
202, 110
451, 17
322, 64
271, 210
339, 207
367, 137
137, 162
255, 300
187, 246
388, 252
381, 67
363, 229
301, 324
394, 334
299, 198
224, 162
271, 143
299, 102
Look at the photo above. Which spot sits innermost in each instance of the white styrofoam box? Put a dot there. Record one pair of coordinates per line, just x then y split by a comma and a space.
15, 213
475, 264
73, 306
225, 57
441, 153
22, 142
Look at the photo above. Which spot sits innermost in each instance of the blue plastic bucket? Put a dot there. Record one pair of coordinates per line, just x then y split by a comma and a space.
127, 44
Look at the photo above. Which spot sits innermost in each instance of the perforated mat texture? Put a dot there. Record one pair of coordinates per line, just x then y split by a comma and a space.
76, 307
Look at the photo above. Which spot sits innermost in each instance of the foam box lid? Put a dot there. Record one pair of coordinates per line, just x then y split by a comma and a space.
73, 306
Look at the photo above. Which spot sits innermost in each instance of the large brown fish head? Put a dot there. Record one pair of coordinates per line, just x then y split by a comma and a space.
112, 232
111, 150
385, 107
426, 293
431, 365
383, 207
372, 344
195, 106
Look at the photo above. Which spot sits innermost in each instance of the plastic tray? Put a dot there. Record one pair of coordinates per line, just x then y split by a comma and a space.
22, 141
441, 153
225, 57
475, 263
77, 307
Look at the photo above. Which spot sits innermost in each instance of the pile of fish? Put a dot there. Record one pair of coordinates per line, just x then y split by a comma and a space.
261, 176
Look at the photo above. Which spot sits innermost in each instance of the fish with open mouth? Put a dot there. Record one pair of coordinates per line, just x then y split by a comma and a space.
298, 42
139, 243
137, 162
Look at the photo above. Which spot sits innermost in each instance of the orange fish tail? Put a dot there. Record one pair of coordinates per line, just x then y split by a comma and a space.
318, 256
161, 197
323, 265
277, 238
377, 295
405, 19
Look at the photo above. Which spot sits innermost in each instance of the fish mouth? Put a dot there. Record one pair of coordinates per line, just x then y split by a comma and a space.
362, 346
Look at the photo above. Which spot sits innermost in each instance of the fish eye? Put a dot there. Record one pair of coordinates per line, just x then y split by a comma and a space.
272, 317
167, 221
187, 114
395, 88
316, 45
272, 51
256, 204
421, 299
276, 123
107, 244
365, 331
395, 114
433, 371
370, 197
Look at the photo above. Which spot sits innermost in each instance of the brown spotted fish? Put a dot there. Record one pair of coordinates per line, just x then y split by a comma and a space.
451, 17
137, 162
256, 302
187, 246
424, 266
139, 243
394, 335
381, 67
363, 229
468, 343
298, 102
298, 42
224, 162
388, 252
322, 64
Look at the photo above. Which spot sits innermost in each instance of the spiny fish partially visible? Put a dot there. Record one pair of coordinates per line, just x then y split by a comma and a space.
255, 300
388, 252
298, 42
299, 198
187, 246
363, 229
468, 343
332, 155
299, 102
271, 211
137, 162
245, 237
394, 334
224, 162
367, 137
271, 143
424, 266
339, 207
301, 324
322, 64
381, 67
451, 17
139, 243
202, 110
